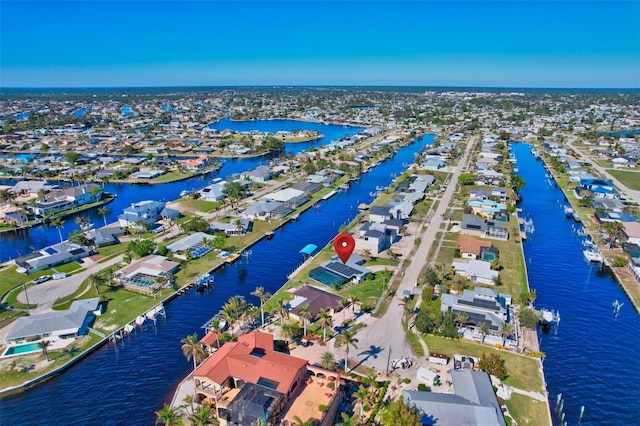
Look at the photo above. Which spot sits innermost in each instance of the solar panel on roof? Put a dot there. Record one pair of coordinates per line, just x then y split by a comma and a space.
342, 269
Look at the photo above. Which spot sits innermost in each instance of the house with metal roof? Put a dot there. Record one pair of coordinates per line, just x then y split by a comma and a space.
55, 325
289, 196
476, 270
480, 305
473, 403
266, 209
54, 255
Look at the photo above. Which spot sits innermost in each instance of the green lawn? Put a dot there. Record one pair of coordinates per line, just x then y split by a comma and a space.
630, 179
524, 371
171, 176
527, 411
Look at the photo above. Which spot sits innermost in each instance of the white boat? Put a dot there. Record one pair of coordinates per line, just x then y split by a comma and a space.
184, 193
568, 212
592, 254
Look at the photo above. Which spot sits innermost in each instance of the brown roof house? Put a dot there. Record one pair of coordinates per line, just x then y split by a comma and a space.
248, 382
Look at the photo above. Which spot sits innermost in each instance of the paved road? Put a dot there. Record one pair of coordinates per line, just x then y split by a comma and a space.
387, 333
45, 294
630, 193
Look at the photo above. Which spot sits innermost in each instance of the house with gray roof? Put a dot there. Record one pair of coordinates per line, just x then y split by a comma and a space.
475, 225
105, 236
213, 192
55, 325
259, 174
473, 403
476, 270
54, 255
266, 210
481, 305
146, 211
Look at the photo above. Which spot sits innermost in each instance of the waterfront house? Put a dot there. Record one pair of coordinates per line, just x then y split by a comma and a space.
316, 298
67, 199
472, 248
148, 274
214, 191
289, 196
476, 270
489, 209
32, 188
147, 174
473, 402
231, 228
146, 211
249, 381
335, 273
631, 231
307, 187
377, 237
259, 174
266, 210
480, 305
596, 188
475, 225
105, 236
12, 214
56, 325
192, 245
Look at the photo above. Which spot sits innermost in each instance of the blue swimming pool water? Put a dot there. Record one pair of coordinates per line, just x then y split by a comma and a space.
22, 349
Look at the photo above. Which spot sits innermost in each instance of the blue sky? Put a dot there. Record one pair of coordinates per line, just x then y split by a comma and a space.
216, 43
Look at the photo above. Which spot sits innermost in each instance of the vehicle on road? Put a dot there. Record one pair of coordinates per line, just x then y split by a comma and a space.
42, 279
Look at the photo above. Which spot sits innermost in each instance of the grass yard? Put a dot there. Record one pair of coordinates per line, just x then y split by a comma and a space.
630, 179
524, 371
192, 205
513, 272
171, 176
527, 411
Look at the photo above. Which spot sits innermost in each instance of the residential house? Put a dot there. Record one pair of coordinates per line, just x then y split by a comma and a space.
475, 225
476, 270
12, 214
214, 191
631, 231
289, 196
259, 174
55, 325
67, 199
147, 174
480, 305
472, 248
249, 381
307, 187
266, 210
595, 188
32, 188
146, 211
335, 273
192, 245
147, 273
48, 257
473, 402
231, 228
317, 300
105, 236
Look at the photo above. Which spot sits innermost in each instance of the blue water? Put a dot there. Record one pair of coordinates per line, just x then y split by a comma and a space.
127, 111
592, 359
17, 244
21, 349
124, 383
622, 133
80, 112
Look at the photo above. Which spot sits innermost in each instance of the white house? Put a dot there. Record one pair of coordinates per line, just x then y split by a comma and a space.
289, 196
476, 270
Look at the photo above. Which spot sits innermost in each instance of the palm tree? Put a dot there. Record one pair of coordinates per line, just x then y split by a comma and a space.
82, 221
44, 344
58, 223
613, 230
204, 415
484, 328
353, 299
461, 318
7, 196
237, 222
192, 349
327, 361
168, 416
360, 400
343, 303
103, 211
309, 422
283, 310
505, 330
325, 321
263, 296
305, 313
345, 339
96, 279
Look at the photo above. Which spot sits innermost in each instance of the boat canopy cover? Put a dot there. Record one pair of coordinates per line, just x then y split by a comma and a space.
309, 249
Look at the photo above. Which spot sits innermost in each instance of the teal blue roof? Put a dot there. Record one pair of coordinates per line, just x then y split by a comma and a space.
309, 249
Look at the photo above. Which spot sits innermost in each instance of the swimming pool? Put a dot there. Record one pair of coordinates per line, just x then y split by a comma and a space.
22, 349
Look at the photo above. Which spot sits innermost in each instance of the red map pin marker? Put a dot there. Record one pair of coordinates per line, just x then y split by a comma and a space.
344, 245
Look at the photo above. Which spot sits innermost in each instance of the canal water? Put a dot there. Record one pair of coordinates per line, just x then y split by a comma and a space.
124, 383
16, 244
592, 357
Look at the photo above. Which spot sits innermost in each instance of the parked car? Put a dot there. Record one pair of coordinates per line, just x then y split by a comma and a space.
42, 279
5, 307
